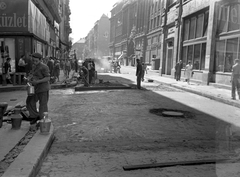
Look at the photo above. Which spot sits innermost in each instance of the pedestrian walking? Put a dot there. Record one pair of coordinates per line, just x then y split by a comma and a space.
39, 78
67, 68
118, 67
7, 71
188, 72
76, 65
29, 66
235, 79
91, 71
144, 68
22, 64
139, 73
178, 69
56, 70
50, 64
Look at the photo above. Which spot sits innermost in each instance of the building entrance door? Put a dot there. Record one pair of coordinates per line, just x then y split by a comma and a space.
169, 60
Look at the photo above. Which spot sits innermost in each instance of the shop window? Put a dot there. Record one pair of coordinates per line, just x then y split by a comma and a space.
199, 31
231, 54
223, 20
158, 21
205, 25
186, 30
197, 55
192, 27
238, 48
154, 23
203, 54
196, 27
219, 60
149, 41
190, 53
184, 56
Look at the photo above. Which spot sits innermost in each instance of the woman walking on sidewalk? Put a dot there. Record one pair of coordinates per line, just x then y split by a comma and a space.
188, 72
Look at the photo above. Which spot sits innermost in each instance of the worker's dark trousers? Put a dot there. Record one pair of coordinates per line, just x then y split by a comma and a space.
139, 78
235, 84
31, 103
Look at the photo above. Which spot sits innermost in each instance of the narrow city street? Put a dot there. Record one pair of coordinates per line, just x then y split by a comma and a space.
99, 132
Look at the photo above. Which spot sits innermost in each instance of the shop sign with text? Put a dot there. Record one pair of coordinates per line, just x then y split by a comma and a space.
13, 15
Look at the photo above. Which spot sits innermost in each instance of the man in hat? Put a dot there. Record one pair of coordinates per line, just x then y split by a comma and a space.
39, 78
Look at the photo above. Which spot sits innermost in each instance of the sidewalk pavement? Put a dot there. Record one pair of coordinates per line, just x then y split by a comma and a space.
26, 164
213, 91
217, 92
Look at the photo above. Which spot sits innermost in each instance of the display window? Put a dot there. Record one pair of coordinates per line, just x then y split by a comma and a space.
194, 39
226, 51
227, 42
7, 46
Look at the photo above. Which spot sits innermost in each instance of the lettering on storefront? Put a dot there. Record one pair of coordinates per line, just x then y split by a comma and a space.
13, 21
234, 13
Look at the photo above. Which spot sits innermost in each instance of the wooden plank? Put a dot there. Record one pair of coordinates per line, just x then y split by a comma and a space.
170, 164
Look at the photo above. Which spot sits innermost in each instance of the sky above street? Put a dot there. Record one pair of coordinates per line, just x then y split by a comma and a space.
84, 13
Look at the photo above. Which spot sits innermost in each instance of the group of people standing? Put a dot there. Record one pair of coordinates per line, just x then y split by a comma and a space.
235, 77
188, 72
115, 66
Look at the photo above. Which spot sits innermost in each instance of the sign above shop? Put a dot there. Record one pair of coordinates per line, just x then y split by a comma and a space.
13, 21
13, 15
233, 16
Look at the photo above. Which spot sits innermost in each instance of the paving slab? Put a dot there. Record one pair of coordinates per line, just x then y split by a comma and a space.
29, 161
10, 137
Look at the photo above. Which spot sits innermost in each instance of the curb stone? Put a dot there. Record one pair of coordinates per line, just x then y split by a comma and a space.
17, 88
201, 94
80, 88
28, 162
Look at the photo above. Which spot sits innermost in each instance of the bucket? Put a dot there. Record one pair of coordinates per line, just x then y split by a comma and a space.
30, 90
45, 127
16, 120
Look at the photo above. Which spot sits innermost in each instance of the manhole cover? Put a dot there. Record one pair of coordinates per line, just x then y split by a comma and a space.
172, 114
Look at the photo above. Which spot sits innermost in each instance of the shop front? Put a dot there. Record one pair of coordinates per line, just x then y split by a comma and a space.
227, 40
22, 30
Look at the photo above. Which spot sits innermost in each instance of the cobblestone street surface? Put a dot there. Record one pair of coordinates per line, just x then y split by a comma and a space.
99, 132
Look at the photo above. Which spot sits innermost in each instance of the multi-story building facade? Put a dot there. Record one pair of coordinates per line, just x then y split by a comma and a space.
154, 35
129, 27
97, 40
204, 32
116, 28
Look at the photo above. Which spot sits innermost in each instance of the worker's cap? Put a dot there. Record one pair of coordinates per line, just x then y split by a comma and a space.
36, 55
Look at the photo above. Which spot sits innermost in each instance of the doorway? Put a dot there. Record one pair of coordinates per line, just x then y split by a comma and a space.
169, 58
